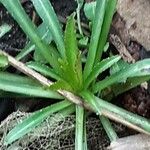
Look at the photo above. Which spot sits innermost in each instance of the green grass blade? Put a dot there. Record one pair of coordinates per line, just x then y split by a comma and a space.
79, 128
28, 49
30, 90
34, 120
44, 33
61, 84
18, 78
3, 61
25, 86
123, 114
89, 10
67, 111
14, 6
4, 29
130, 83
43, 69
85, 145
110, 10
96, 31
140, 68
108, 128
46, 12
73, 76
100, 67
71, 42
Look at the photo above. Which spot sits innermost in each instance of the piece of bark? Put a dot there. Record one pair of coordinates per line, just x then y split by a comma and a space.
115, 40
135, 13
134, 142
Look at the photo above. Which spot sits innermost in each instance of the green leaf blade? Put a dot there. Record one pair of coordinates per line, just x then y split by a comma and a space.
23, 85
140, 68
96, 31
3, 61
100, 67
46, 12
138, 121
79, 128
5, 28
130, 83
71, 42
45, 35
110, 10
35, 119
89, 10
43, 69
14, 6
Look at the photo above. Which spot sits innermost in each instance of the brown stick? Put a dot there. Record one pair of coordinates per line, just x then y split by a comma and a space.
68, 95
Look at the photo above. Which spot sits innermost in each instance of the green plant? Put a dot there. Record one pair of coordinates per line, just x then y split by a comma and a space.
62, 62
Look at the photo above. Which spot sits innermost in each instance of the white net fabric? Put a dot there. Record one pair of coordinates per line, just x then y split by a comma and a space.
55, 133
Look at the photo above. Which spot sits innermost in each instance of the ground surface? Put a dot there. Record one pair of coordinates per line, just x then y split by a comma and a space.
136, 100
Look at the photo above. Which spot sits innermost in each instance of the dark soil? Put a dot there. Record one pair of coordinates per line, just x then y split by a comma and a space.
15, 40
136, 100
64, 8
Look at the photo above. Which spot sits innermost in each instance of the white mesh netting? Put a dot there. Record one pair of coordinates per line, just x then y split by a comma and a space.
55, 133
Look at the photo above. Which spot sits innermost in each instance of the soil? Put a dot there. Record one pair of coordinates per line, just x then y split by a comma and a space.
136, 100
15, 40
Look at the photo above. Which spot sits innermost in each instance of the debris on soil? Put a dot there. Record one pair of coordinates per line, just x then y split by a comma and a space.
115, 40
57, 133
136, 142
130, 31
135, 14
125, 44
137, 101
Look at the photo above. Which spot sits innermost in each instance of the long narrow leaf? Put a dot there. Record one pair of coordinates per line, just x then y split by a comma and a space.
89, 10
3, 61
108, 128
79, 128
131, 83
34, 120
17, 79
27, 89
141, 68
85, 139
110, 10
123, 114
96, 31
100, 67
43, 69
14, 6
4, 29
71, 42
44, 33
46, 12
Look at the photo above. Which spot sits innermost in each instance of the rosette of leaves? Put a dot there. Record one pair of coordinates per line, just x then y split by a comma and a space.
58, 57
